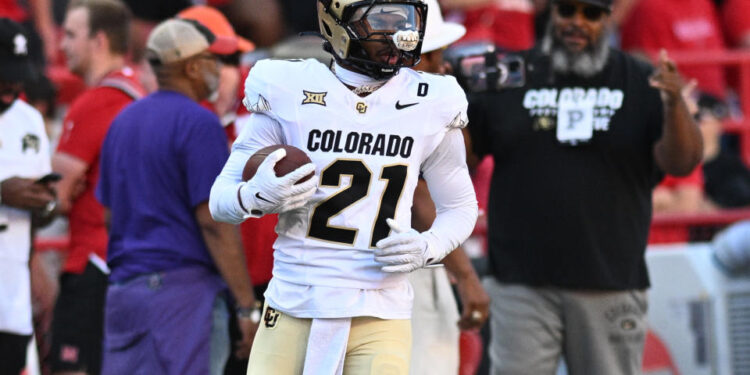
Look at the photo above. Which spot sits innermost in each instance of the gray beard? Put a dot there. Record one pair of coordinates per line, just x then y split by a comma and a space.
586, 64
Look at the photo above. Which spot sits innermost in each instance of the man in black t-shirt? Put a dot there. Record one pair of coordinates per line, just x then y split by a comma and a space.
577, 150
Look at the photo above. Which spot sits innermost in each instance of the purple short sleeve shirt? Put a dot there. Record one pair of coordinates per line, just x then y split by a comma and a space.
158, 162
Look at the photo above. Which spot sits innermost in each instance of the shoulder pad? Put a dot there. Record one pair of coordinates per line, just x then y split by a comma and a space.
448, 98
269, 80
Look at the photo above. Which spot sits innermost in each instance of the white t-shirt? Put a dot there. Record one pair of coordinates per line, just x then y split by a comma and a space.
369, 153
24, 152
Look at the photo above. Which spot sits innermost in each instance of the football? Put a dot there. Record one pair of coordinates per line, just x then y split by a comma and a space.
294, 159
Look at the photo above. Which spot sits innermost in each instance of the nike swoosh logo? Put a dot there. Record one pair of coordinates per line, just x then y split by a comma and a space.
402, 106
257, 195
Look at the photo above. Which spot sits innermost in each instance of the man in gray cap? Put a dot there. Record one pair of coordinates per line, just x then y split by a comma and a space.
578, 147
165, 311
24, 158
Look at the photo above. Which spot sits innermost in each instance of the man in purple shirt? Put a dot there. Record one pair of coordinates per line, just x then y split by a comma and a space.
165, 313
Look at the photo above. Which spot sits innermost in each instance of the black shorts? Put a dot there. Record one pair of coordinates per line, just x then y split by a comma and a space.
13, 353
78, 322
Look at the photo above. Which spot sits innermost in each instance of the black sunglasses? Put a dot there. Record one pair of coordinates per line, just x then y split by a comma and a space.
590, 12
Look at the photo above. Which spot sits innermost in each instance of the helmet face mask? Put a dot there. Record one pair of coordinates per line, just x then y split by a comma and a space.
360, 34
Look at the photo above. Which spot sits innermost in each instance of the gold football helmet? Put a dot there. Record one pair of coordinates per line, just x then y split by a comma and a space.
374, 37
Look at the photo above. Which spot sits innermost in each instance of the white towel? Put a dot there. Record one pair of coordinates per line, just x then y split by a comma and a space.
100, 263
326, 346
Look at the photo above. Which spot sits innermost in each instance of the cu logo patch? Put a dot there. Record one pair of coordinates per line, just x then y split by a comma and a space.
271, 317
30, 141
361, 107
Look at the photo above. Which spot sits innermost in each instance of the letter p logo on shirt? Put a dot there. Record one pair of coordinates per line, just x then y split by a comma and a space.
575, 118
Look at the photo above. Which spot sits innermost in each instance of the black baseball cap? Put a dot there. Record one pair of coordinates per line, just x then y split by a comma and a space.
15, 65
606, 4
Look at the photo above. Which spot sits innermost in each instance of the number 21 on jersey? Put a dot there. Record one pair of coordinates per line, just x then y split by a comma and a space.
359, 187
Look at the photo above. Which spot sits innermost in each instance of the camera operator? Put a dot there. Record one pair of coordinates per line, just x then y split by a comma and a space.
577, 147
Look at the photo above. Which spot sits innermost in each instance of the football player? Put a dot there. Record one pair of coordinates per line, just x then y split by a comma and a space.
339, 300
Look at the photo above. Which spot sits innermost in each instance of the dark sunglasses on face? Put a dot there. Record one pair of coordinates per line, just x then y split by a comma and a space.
590, 12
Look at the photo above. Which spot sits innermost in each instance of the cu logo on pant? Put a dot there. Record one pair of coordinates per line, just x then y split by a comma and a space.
271, 317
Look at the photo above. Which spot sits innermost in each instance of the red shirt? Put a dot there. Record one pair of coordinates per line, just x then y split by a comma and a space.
13, 10
509, 24
736, 17
84, 129
678, 25
258, 236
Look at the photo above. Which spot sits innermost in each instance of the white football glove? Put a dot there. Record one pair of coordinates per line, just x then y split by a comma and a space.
403, 250
265, 193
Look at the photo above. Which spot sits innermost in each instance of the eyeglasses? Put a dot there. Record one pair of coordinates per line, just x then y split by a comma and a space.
590, 12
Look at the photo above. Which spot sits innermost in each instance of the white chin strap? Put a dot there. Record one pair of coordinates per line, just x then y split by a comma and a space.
406, 40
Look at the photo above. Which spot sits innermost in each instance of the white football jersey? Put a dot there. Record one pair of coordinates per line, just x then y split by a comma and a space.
24, 152
369, 153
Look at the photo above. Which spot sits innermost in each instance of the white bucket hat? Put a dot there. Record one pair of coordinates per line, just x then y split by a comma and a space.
438, 33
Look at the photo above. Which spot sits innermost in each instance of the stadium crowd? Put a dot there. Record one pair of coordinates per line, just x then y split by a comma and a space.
125, 125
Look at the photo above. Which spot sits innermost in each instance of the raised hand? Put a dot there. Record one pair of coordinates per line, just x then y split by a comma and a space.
667, 79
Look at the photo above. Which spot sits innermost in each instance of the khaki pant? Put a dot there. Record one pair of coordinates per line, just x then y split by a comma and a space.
596, 332
375, 347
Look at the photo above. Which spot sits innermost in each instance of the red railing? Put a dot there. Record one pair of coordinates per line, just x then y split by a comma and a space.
701, 227
737, 63
671, 228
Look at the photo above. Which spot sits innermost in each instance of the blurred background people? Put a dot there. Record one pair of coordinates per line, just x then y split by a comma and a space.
165, 310
678, 25
576, 148
35, 16
257, 240
508, 24
435, 317
95, 42
727, 177
225, 102
24, 158
736, 22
